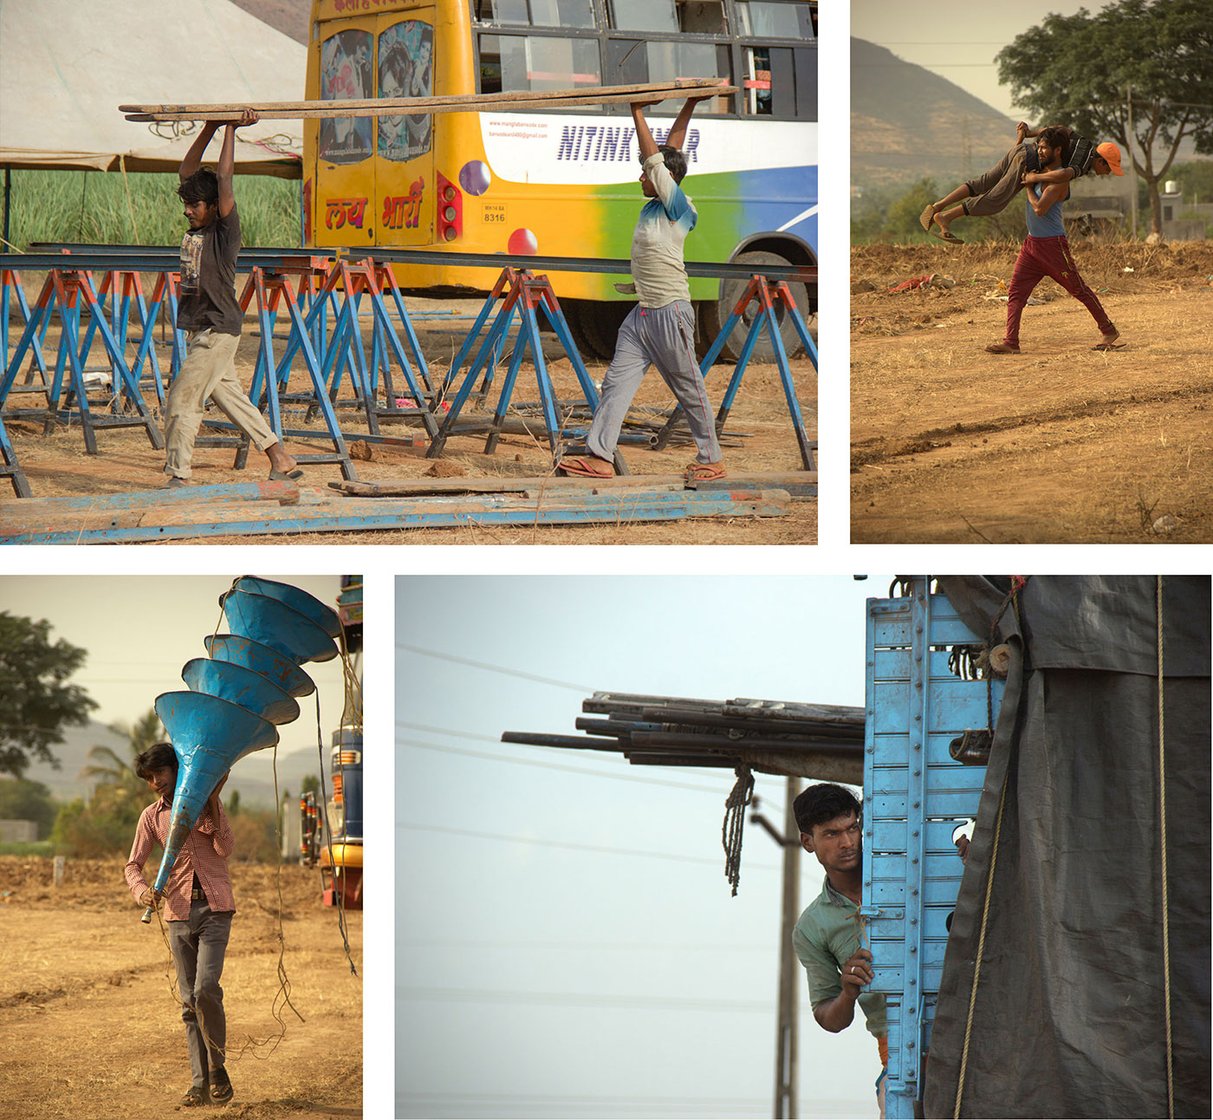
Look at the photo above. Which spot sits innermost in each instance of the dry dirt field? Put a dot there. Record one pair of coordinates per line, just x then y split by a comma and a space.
1057, 444
58, 466
90, 1028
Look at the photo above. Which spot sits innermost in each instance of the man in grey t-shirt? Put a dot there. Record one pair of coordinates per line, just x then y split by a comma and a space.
660, 329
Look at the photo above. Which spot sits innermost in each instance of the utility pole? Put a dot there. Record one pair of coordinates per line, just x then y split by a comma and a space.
786, 1077
1132, 166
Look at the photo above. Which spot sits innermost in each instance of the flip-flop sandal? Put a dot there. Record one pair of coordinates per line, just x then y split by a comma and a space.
1104, 346
194, 1098
704, 472
946, 235
221, 1087
927, 218
585, 467
286, 476
1002, 348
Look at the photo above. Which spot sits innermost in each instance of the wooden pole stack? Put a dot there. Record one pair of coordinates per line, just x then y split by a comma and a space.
508, 100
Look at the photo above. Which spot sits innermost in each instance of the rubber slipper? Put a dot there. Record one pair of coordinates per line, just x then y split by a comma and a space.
586, 467
946, 235
927, 218
1002, 348
195, 1098
221, 1086
1109, 346
286, 476
704, 472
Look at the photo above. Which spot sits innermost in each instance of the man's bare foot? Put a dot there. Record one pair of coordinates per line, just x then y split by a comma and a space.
1002, 348
1108, 340
280, 461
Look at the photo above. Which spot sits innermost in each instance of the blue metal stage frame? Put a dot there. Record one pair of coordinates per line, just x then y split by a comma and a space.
522, 293
915, 795
768, 295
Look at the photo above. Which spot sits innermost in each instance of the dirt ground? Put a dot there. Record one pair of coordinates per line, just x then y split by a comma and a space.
765, 442
90, 1027
1057, 444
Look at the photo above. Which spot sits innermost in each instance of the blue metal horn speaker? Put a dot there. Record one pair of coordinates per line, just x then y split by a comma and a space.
239, 693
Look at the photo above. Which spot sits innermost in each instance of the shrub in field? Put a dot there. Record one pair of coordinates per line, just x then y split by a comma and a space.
139, 208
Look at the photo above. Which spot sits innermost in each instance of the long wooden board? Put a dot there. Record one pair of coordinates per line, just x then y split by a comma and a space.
415, 106
796, 483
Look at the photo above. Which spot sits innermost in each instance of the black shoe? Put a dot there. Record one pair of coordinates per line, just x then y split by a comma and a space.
221, 1086
194, 1097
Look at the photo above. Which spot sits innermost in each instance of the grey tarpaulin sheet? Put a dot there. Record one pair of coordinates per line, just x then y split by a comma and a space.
1068, 1017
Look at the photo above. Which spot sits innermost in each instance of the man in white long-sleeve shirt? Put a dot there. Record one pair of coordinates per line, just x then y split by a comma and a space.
660, 329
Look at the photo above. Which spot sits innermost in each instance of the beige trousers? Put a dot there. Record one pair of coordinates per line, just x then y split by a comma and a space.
209, 370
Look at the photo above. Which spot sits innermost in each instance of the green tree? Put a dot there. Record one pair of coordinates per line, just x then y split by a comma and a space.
36, 702
23, 800
108, 767
1080, 70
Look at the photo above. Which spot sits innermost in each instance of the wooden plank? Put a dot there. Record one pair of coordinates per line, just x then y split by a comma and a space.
378, 514
411, 105
790, 481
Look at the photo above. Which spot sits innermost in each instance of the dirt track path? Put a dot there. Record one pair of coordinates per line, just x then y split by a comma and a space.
89, 1028
1058, 444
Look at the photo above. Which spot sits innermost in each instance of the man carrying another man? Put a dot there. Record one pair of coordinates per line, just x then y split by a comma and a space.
991, 192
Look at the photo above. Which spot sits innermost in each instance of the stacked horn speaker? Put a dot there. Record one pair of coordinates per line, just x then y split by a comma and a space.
240, 693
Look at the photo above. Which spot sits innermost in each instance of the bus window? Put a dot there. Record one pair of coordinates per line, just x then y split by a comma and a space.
406, 54
634, 61
538, 13
345, 73
781, 82
692, 17
771, 19
509, 62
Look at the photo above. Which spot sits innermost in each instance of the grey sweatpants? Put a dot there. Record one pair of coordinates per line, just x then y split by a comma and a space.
663, 337
198, 946
992, 191
209, 370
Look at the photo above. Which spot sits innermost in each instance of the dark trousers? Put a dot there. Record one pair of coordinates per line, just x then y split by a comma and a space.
198, 946
1048, 256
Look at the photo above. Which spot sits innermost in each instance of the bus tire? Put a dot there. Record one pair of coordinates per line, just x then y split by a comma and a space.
713, 314
595, 325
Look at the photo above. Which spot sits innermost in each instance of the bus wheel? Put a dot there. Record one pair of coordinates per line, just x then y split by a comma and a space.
714, 313
595, 325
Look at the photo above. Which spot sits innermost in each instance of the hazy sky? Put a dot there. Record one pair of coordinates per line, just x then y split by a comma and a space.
566, 943
956, 43
140, 631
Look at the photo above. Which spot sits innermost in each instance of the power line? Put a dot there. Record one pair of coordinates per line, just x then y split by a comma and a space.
572, 846
568, 769
546, 765
579, 999
582, 688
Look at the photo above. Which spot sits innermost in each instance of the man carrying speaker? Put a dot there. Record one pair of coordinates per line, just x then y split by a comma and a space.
198, 909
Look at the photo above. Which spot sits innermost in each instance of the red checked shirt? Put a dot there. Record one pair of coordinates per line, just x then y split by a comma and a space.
205, 854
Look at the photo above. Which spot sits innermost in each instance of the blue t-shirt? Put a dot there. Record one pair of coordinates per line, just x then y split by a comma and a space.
1048, 224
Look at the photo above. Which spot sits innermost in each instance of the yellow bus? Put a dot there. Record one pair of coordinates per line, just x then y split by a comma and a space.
561, 182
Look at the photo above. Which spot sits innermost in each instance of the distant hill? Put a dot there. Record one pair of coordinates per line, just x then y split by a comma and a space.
252, 776
907, 123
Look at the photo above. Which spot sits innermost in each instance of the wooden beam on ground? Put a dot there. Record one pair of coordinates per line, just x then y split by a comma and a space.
798, 484
507, 100
318, 512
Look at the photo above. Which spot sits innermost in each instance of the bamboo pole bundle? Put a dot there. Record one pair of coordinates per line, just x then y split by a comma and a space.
581, 97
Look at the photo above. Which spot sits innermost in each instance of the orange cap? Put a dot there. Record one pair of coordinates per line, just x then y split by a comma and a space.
1111, 153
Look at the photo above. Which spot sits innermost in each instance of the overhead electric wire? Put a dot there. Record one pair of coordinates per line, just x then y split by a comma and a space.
570, 845
494, 668
579, 999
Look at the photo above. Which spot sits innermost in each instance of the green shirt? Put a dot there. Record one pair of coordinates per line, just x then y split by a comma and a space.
825, 937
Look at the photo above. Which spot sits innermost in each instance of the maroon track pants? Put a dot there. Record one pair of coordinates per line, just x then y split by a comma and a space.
1048, 256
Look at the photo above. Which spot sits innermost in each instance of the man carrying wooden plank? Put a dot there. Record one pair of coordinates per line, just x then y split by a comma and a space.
210, 313
660, 329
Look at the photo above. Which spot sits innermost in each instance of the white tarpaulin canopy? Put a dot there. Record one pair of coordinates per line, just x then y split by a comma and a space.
66, 66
